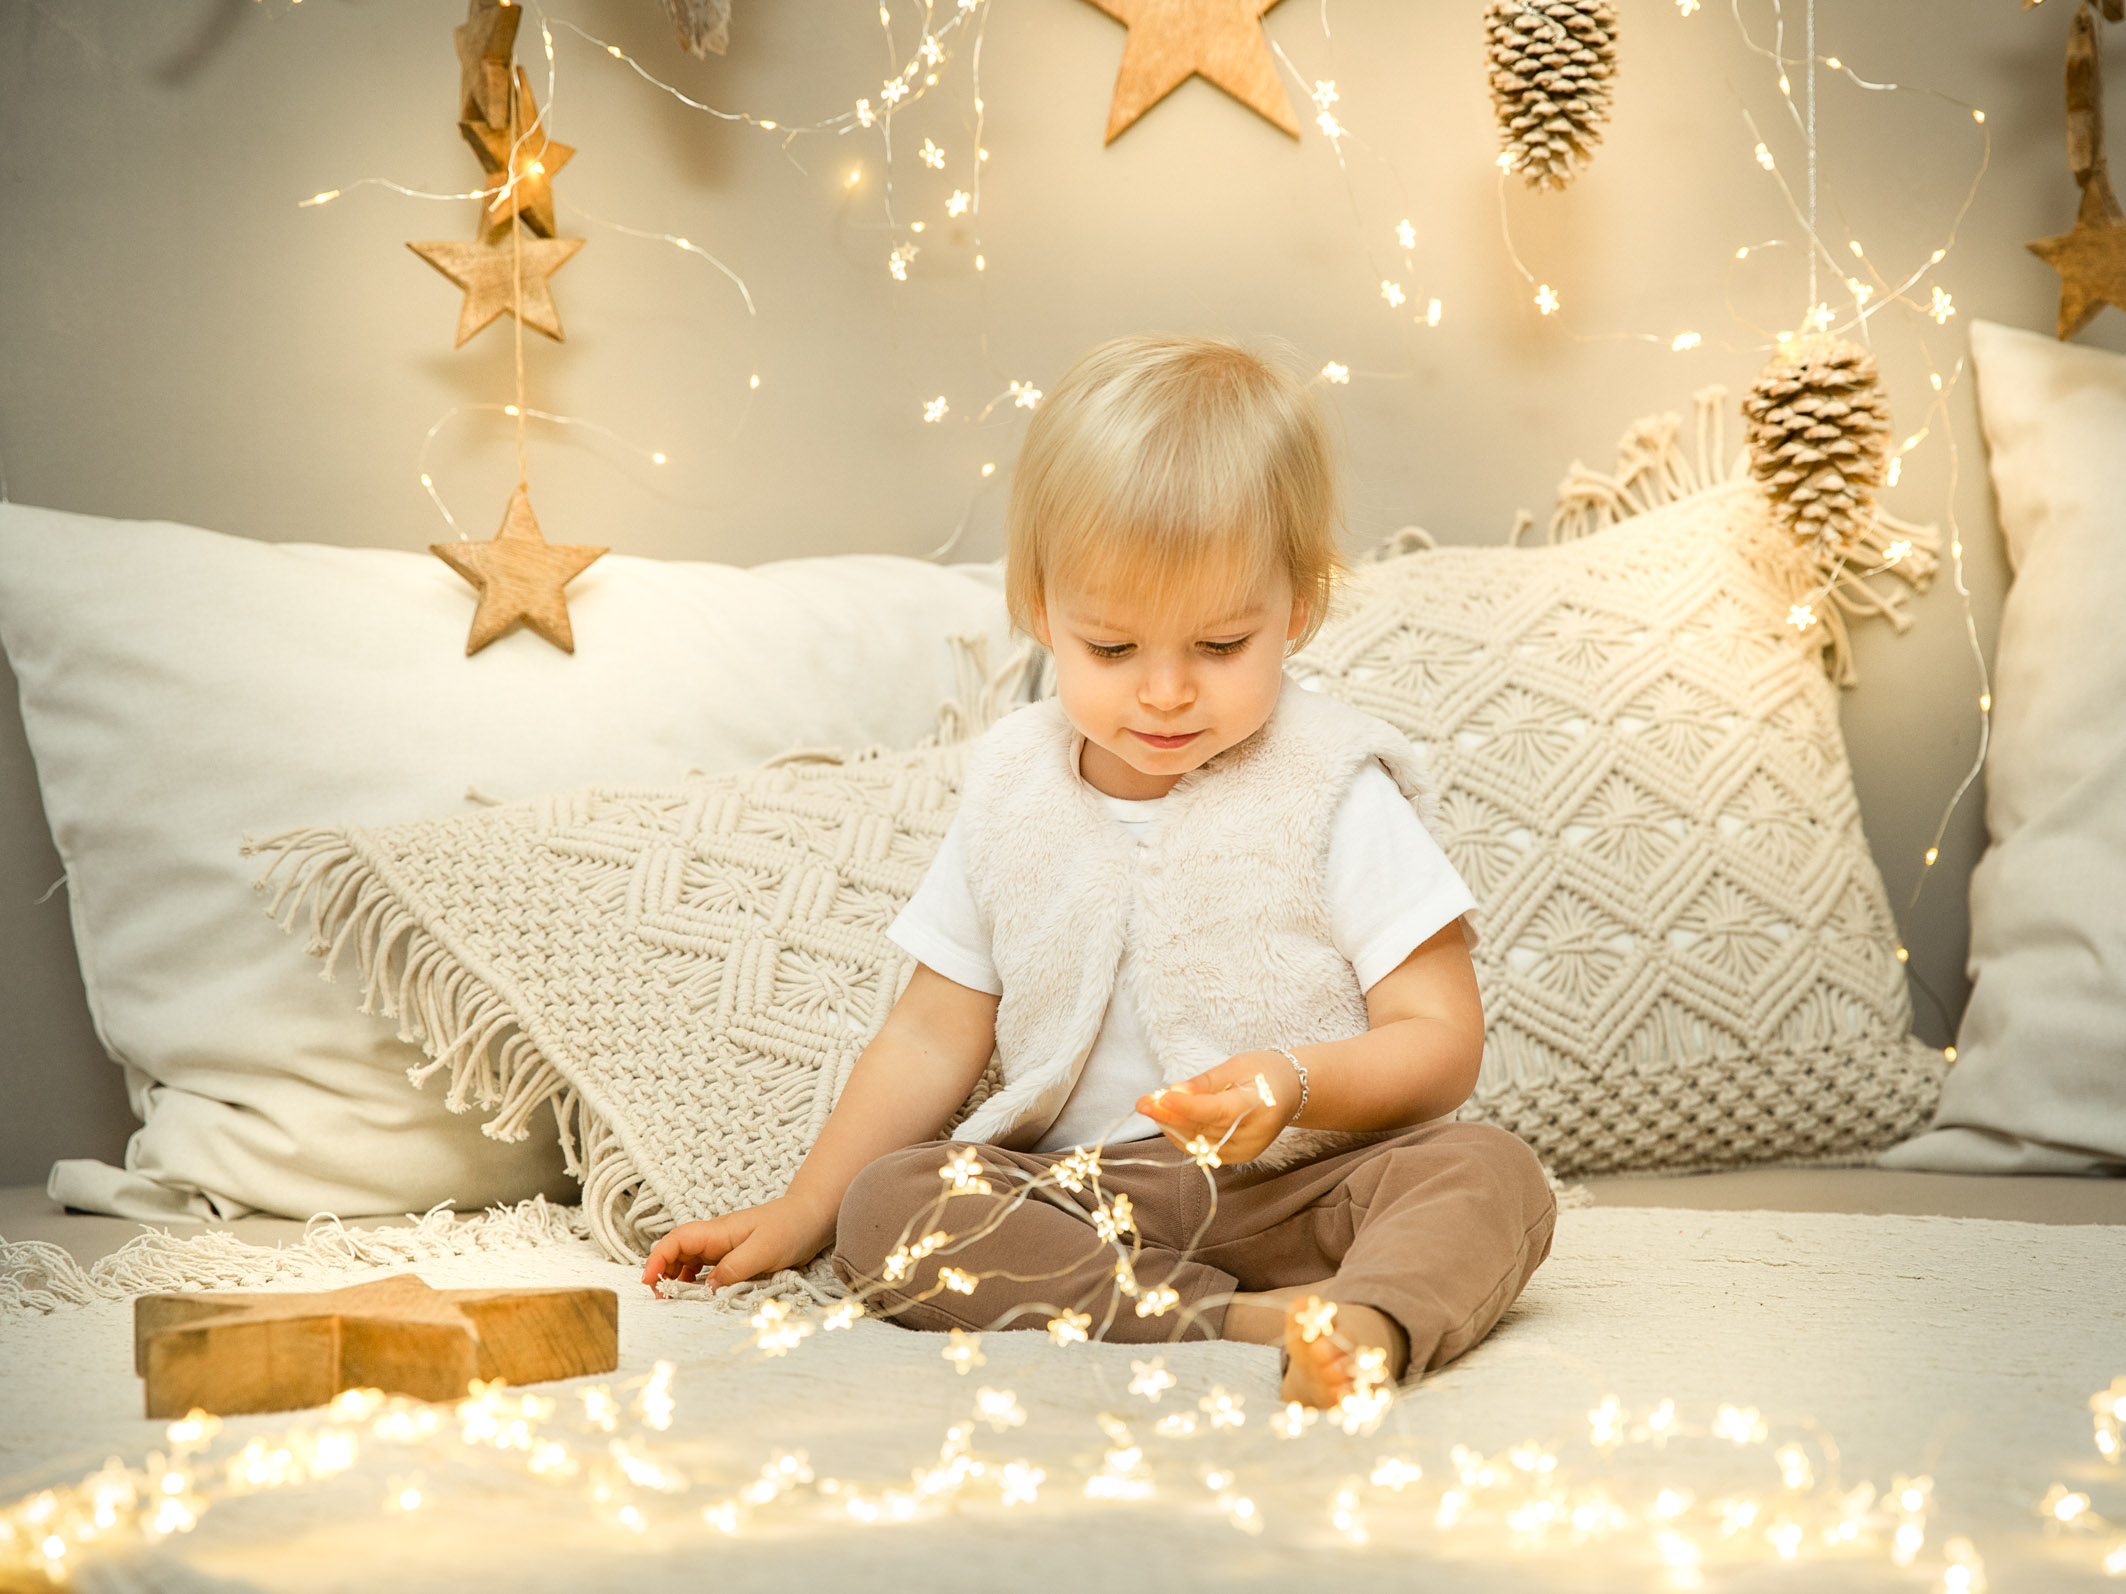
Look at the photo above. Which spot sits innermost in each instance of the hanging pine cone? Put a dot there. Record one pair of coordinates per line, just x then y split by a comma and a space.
1551, 62
1819, 431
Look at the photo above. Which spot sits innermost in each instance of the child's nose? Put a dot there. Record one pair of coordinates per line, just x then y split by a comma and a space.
1167, 687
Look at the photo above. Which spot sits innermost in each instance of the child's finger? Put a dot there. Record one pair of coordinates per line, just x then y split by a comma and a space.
741, 1262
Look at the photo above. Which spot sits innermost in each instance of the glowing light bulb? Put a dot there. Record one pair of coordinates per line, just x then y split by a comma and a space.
657, 459
325, 198
1685, 340
1341, 375
1406, 235
989, 468
1941, 308
1432, 312
958, 203
1546, 299
856, 175
753, 381
1393, 293
1764, 158
934, 411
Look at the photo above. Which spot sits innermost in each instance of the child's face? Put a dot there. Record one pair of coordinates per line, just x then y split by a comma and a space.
1157, 691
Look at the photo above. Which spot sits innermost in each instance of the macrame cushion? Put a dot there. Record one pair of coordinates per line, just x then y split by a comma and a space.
1687, 958
684, 974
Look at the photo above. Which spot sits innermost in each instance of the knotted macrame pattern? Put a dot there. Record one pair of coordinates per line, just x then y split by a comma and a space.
1688, 960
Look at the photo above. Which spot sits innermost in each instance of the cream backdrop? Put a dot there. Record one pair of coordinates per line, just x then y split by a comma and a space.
179, 340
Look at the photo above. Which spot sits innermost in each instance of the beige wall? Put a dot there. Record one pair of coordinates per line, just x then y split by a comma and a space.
179, 340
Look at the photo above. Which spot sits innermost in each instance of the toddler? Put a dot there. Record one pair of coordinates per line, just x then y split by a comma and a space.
1192, 910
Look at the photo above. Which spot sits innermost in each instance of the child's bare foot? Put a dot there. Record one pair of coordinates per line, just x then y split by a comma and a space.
1259, 1319
1321, 1341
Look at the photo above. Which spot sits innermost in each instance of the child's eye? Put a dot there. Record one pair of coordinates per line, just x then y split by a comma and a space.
1223, 648
1109, 650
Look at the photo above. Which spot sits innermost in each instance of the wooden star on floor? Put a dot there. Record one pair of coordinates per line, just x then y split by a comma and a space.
1171, 40
520, 577
229, 1353
528, 157
2090, 258
486, 41
491, 273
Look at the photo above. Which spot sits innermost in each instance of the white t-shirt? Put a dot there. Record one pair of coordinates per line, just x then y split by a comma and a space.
1391, 889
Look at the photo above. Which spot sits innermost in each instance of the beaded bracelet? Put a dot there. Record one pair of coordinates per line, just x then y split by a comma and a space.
1300, 1069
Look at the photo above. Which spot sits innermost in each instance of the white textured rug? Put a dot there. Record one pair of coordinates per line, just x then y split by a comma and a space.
1878, 1347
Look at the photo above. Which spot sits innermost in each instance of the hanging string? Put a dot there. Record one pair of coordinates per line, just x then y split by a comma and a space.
1809, 91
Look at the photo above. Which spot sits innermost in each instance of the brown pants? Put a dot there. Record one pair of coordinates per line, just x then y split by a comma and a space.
1439, 1228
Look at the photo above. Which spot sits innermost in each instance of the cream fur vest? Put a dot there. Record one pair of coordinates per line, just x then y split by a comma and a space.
1227, 910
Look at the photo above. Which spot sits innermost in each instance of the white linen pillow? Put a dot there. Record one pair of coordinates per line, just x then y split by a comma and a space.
181, 689
2039, 1084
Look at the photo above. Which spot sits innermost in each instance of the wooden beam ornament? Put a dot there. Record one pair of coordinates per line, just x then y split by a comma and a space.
520, 577
1171, 41
2091, 256
231, 1353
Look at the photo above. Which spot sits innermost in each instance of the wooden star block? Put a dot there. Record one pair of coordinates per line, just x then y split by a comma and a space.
521, 150
520, 577
1171, 40
486, 42
228, 1353
501, 276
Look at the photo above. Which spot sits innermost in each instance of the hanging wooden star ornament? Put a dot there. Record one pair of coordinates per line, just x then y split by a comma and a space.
1172, 40
486, 41
520, 149
2090, 257
492, 270
519, 576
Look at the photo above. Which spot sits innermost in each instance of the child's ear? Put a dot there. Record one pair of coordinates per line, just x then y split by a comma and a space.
1300, 610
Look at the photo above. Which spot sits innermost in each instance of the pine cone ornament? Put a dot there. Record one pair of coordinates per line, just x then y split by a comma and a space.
1551, 62
1819, 430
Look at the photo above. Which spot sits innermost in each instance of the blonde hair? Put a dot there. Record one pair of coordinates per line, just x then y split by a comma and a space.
1157, 459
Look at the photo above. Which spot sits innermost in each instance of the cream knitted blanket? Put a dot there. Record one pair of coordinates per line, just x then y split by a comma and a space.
1688, 959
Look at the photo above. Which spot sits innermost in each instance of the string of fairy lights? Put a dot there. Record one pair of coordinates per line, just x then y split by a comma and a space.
609, 1451
602, 1447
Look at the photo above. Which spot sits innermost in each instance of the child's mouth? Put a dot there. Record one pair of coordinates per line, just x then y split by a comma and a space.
1166, 743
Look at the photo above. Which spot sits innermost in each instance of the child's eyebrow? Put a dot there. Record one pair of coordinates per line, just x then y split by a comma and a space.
1086, 621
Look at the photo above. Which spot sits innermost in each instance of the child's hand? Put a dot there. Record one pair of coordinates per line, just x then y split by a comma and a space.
1258, 1091
740, 1245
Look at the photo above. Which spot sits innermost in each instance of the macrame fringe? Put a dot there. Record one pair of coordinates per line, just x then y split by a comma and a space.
39, 1277
468, 1032
1653, 470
